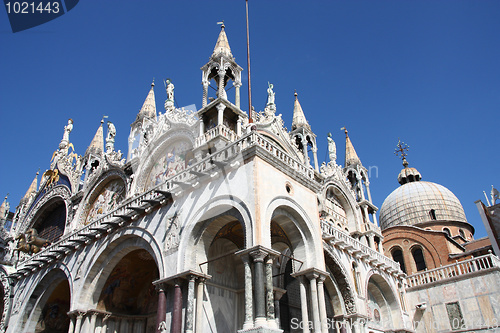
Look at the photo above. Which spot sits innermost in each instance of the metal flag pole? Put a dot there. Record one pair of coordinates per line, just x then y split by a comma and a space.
248, 62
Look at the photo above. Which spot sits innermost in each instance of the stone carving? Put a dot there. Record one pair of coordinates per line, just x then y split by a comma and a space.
169, 87
270, 94
172, 238
110, 139
332, 149
67, 129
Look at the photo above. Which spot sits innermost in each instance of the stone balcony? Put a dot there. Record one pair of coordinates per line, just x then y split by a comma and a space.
346, 243
456, 271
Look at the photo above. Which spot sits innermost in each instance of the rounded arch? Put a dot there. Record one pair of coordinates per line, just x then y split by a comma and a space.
381, 296
345, 197
340, 283
108, 254
56, 281
157, 149
293, 219
417, 254
97, 188
56, 193
191, 243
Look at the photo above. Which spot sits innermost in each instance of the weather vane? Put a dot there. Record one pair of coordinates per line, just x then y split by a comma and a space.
401, 150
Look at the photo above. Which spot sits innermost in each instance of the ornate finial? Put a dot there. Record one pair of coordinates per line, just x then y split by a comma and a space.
295, 93
38, 172
344, 129
102, 120
222, 24
401, 150
153, 83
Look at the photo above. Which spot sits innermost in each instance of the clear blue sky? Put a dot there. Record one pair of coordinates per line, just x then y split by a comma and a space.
423, 71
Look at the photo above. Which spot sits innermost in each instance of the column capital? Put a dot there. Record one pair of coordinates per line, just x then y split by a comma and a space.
312, 273
258, 251
174, 279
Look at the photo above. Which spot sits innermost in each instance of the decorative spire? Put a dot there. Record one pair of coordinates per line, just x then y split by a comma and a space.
96, 147
222, 45
299, 119
148, 109
351, 158
32, 189
407, 175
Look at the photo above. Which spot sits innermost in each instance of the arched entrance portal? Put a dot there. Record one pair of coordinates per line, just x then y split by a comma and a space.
225, 289
382, 306
128, 295
48, 306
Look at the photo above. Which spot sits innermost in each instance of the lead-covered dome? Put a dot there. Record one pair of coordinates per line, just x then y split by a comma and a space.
419, 201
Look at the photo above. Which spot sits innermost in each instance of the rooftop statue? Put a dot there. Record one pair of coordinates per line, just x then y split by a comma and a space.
270, 94
332, 149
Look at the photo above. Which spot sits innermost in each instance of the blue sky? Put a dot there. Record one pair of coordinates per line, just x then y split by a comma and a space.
424, 71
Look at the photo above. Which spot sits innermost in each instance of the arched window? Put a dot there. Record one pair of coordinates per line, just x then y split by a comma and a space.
432, 214
448, 232
418, 256
397, 256
462, 234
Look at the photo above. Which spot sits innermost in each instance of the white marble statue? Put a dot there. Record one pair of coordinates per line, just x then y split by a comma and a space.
332, 149
110, 139
270, 94
170, 90
67, 129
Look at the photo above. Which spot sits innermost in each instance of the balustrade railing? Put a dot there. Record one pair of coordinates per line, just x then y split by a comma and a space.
457, 269
339, 237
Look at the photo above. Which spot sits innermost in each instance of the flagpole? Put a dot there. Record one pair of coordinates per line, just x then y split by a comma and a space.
248, 64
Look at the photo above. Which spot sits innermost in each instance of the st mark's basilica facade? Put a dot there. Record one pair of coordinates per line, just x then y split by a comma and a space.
214, 222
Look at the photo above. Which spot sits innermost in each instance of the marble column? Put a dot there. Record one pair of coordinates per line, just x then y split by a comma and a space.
199, 305
314, 303
104, 323
205, 93
177, 311
220, 114
278, 293
190, 305
161, 314
93, 319
303, 304
260, 306
315, 155
78, 325
270, 310
248, 293
237, 86
71, 324
322, 304
222, 74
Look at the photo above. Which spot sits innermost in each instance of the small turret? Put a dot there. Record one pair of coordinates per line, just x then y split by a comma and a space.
302, 134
